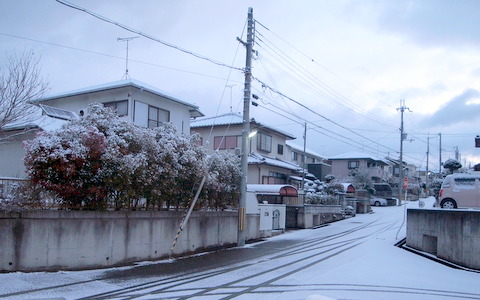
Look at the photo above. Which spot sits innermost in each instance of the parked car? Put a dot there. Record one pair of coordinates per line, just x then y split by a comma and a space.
378, 201
460, 190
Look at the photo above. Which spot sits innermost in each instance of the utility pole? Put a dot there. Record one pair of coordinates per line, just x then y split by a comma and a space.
242, 205
304, 160
428, 153
440, 154
403, 136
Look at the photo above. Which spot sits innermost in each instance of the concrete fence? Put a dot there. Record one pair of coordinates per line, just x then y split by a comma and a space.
450, 234
312, 215
72, 240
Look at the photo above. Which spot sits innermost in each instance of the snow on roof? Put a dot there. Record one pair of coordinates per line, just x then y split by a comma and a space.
257, 158
225, 119
38, 120
234, 119
282, 189
357, 155
120, 84
300, 148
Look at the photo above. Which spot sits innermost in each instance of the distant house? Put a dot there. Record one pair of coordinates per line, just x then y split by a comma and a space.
346, 164
268, 161
315, 164
144, 105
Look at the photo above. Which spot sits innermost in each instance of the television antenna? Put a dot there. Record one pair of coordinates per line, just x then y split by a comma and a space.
126, 39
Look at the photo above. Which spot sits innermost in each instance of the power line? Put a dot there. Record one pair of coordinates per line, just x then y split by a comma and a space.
110, 55
150, 37
318, 114
324, 68
311, 82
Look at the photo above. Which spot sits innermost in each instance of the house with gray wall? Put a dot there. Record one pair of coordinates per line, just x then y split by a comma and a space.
345, 164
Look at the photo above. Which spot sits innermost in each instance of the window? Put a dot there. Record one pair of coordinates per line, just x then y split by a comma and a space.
156, 116
294, 156
120, 107
264, 142
225, 142
353, 164
280, 149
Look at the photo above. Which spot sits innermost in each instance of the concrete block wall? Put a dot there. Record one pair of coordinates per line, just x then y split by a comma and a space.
450, 234
59, 240
314, 215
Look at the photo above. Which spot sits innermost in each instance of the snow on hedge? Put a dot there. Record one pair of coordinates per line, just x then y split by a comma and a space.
103, 160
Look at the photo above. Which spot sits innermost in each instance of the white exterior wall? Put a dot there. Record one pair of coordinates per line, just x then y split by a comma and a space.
179, 113
276, 140
12, 153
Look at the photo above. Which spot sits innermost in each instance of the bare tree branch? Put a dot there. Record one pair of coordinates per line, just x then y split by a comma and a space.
20, 84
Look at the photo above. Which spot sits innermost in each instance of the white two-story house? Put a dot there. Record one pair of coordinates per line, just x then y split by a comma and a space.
143, 104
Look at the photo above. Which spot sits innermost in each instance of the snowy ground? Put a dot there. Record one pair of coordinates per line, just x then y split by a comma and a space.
350, 259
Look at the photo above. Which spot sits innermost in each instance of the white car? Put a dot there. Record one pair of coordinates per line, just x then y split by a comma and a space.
378, 202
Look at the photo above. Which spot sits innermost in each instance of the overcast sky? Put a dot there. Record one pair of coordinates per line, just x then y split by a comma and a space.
342, 66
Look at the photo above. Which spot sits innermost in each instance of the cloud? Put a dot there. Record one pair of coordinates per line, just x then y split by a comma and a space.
434, 23
462, 108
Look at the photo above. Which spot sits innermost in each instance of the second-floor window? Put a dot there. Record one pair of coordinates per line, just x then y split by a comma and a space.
280, 149
120, 107
294, 156
264, 142
225, 142
353, 164
156, 116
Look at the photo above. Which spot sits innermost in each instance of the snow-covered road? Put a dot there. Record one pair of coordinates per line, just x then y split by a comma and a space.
350, 259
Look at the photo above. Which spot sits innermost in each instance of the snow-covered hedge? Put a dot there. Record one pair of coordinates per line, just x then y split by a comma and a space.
102, 161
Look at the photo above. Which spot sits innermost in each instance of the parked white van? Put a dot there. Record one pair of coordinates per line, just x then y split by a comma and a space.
460, 190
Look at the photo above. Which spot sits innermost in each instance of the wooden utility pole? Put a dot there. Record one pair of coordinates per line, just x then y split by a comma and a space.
242, 205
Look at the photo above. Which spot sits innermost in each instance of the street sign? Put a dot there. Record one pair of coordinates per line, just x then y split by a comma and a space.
405, 182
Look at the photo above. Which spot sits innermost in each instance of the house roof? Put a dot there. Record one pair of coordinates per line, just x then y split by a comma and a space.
257, 158
194, 110
357, 155
38, 120
300, 149
273, 189
234, 119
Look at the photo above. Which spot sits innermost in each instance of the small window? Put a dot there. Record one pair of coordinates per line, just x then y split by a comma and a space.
280, 149
120, 107
294, 156
225, 142
353, 164
264, 142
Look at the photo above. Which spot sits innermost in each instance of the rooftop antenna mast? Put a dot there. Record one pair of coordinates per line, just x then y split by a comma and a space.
126, 39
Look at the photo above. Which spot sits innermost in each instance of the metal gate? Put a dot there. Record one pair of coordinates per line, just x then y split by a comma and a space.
276, 220
291, 217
